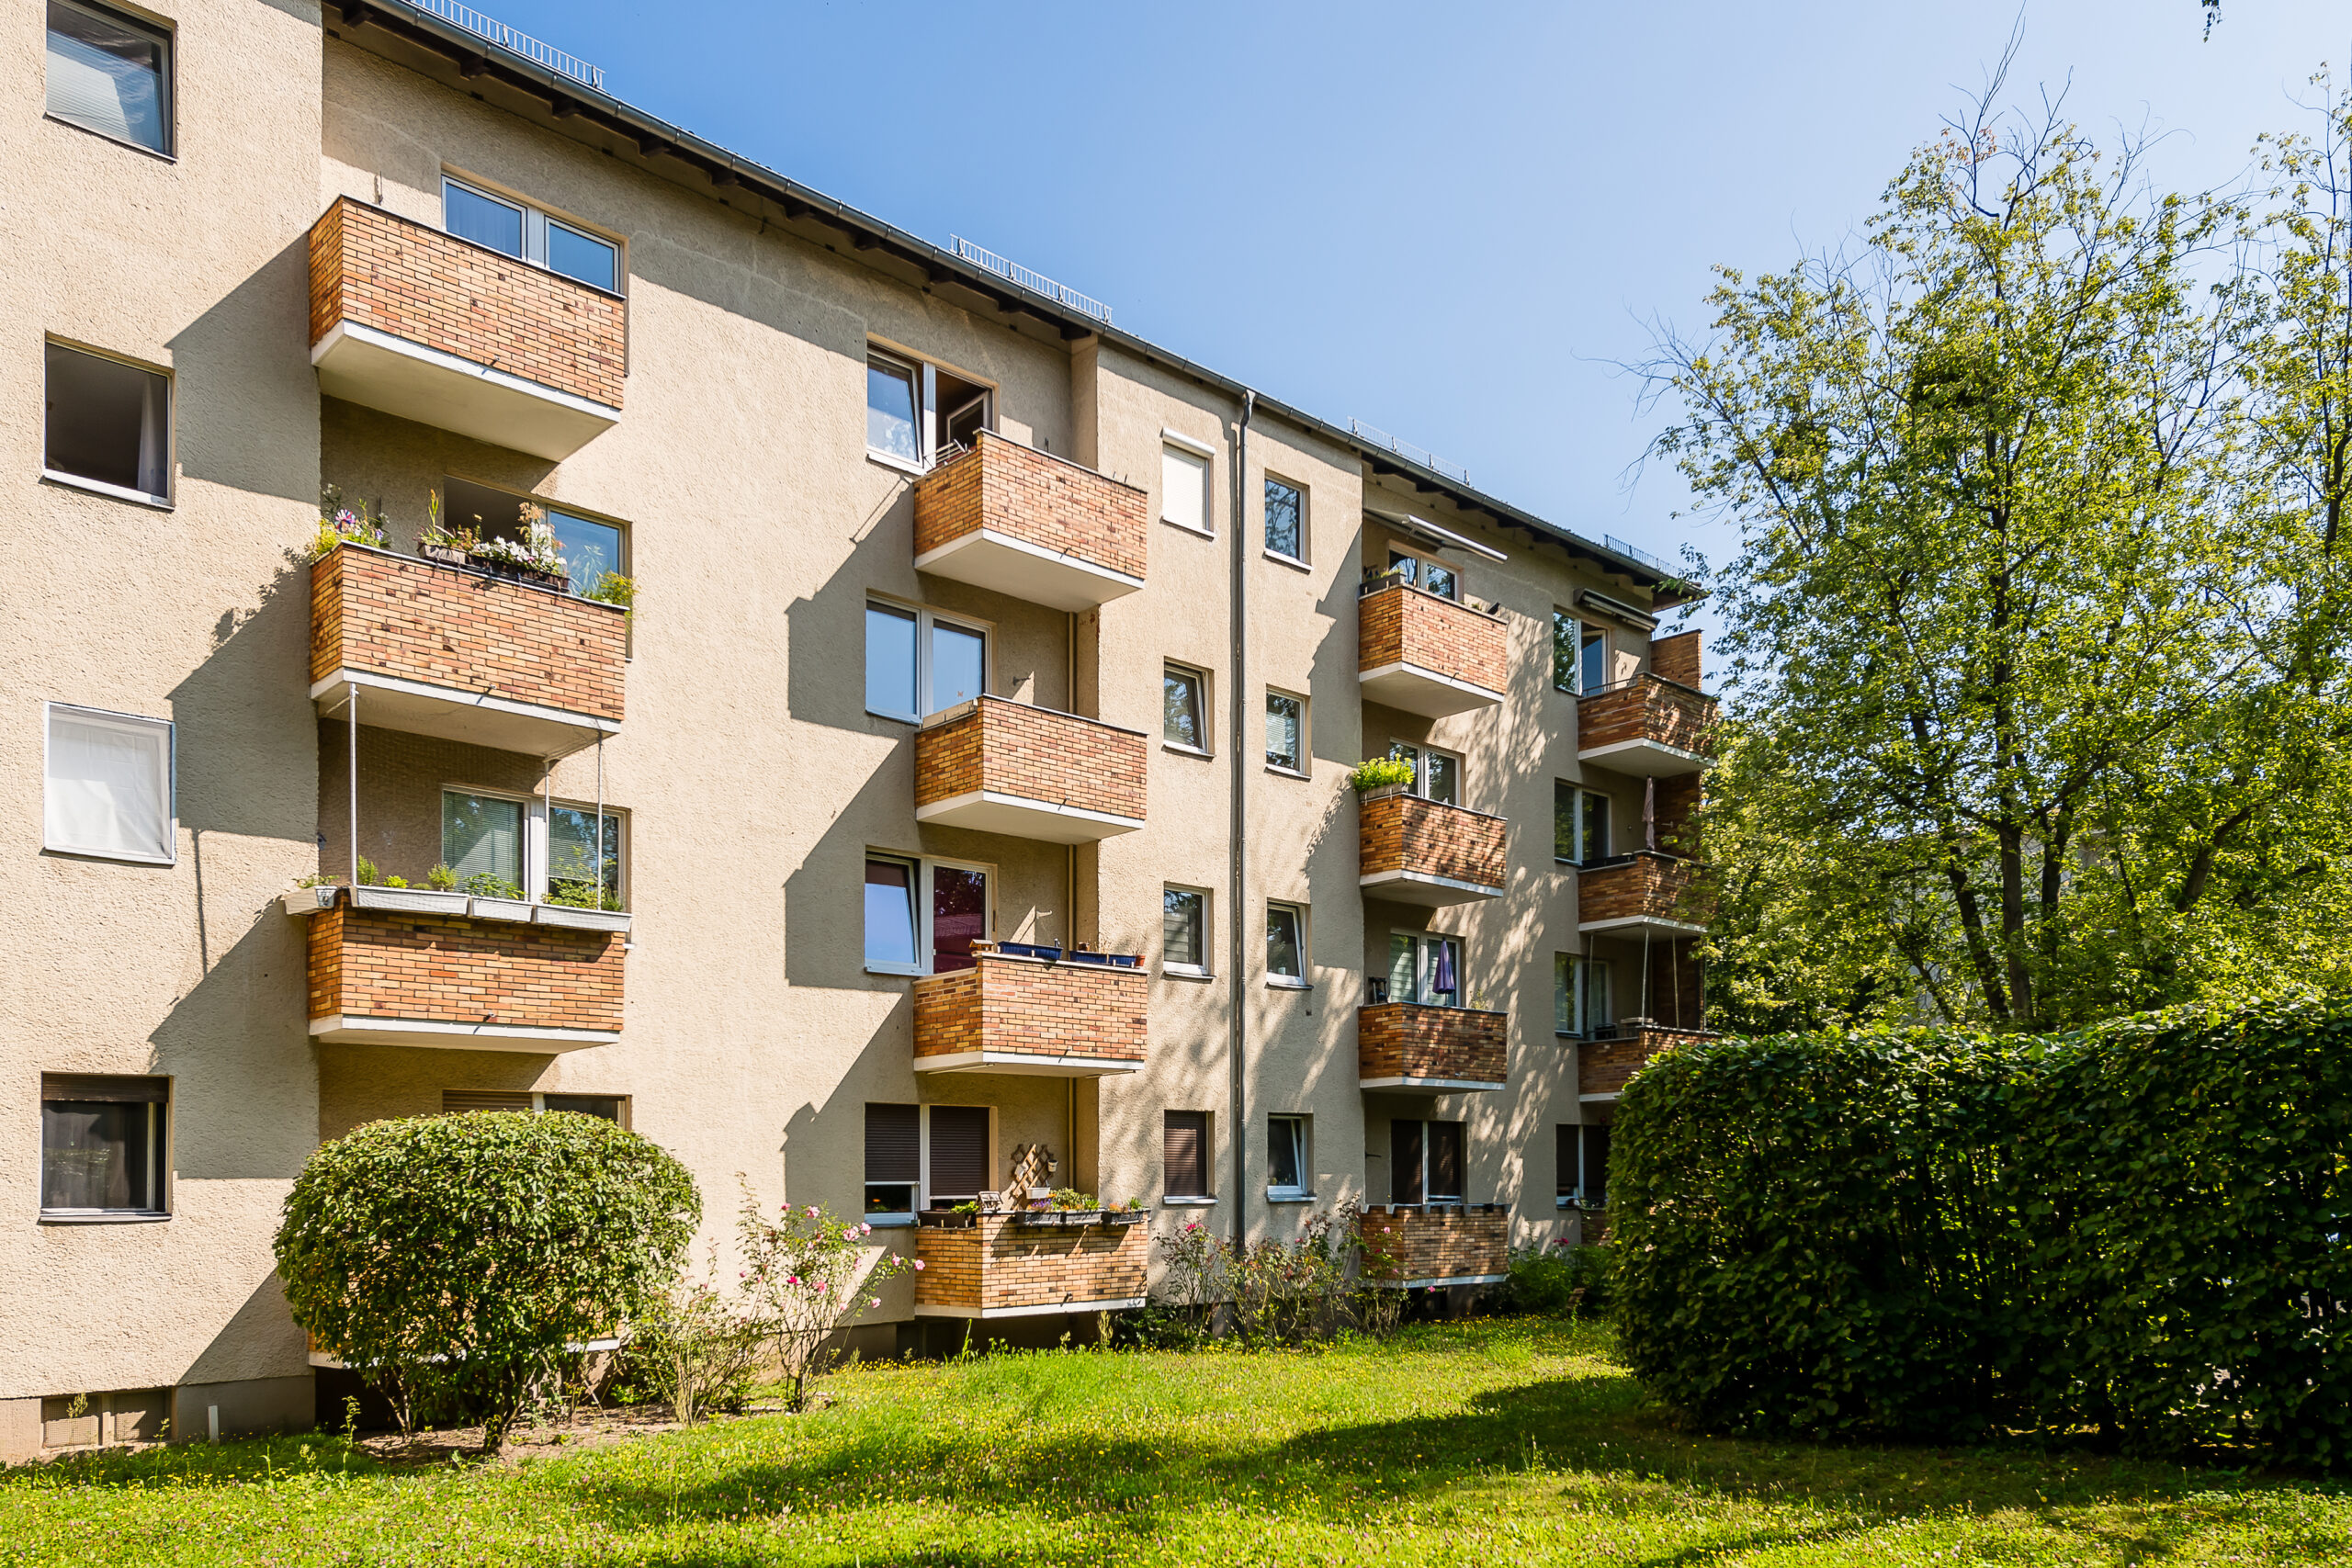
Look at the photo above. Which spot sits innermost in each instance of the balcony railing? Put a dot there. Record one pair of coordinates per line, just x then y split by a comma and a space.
422, 325
1005, 767
1605, 1062
1414, 851
1005, 516
1412, 1247
1644, 893
1070, 1015
446, 651
1428, 655
992, 1265
1432, 1050
414, 976
1648, 726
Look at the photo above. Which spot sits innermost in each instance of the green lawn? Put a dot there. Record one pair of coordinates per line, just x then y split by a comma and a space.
1489, 1443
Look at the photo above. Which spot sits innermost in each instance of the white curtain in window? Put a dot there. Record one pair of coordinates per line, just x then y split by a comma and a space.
108, 786
1185, 488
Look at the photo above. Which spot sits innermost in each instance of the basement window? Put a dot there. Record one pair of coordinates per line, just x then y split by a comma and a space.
103, 1147
612, 1108
107, 425
110, 74
528, 234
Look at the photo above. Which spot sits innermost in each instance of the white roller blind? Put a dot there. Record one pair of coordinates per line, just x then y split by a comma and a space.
108, 789
1184, 488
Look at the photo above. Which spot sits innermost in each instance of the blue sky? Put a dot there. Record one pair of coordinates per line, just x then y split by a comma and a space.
1452, 221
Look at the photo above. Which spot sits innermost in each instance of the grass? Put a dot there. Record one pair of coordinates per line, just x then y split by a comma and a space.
1496, 1443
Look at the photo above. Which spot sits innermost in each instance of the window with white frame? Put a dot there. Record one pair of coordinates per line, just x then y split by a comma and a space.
108, 786
1185, 488
1437, 776
110, 73
1184, 707
1426, 573
956, 1154
585, 861
1580, 824
591, 549
1581, 1152
1286, 519
1286, 1157
502, 845
107, 425
103, 1145
1185, 930
1184, 1151
612, 1108
919, 663
922, 916
1285, 943
528, 233
1579, 654
1425, 1161
1425, 967
1582, 1003
916, 412
893, 1162
1286, 731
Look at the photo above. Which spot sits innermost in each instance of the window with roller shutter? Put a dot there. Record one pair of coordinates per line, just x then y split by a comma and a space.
1185, 1152
893, 1161
959, 1152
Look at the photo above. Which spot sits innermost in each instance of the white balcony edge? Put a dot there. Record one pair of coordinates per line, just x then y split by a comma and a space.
376, 337
1443, 1086
1119, 580
1424, 879
1630, 923
1051, 1309
1692, 762
1025, 803
1026, 1060
1422, 671
357, 1029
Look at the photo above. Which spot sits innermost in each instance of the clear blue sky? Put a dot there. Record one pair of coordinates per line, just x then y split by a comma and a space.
1447, 220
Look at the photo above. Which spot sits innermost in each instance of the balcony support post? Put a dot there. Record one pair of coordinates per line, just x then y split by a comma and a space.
351, 770
600, 822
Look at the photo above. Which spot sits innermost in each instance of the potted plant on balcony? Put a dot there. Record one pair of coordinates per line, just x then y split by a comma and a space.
536, 558
377, 891
1064, 1206
362, 523
489, 898
582, 904
1377, 776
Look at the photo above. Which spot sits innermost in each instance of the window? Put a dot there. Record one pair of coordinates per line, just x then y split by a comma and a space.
110, 74
606, 1107
1425, 1162
1580, 824
1437, 776
1582, 1155
1184, 489
482, 835
107, 787
1420, 571
576, 852
535, 847
1285, 520
1286, 732
591, 549
1286, 1165
893, 1160
1183, 931
1579, 654
103, 1149
1184, 708
918, 663
922, 916
1184, 1154
1581, 1002
1285, 944
611, 1107
107, 425
528, 234
956, 1144
1425, 967
917, 413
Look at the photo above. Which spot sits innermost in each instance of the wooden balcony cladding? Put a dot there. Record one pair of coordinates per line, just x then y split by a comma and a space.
996, 1267
1005, 767
440, 650
1407, 1045
1008, 1015
392, 978
1462, 1243
1004, 516
1648, 726
1643, 892
1604, 1066
420, 323
1423, 851
1428, 655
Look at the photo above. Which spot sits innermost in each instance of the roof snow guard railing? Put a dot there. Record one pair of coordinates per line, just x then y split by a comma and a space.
1655, 562
1035, 282
1407, 450
506, 38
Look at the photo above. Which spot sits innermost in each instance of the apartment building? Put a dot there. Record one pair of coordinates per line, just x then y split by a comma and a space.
926, 775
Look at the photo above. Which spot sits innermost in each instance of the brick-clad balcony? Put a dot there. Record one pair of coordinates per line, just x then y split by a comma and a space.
1027, 523
1648, 726
1645, 893
1068, 1018
991, 1266
1605, 1062
1005, 767
1428, 655
1460, 1243
395, 977
1423, 851
441, 650
1408, 1045
420, 323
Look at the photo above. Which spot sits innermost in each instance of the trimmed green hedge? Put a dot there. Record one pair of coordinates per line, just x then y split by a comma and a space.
2143, 1229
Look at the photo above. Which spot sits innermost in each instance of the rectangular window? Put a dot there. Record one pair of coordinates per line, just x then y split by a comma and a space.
529, 234
1581, 1003
922, 916
1564, 650
918, 663
1425, 967
1286, 1156
611, 1107
1286, 732
1579, 654
603, 1107
1425, 1161
1285, 520
1580, 824
592, 550
1437, 776
103, 1149
890, 914
893, 1160
956, 1141
1581, 1152
959, 914
107, 424
1184, 1154
1183, 931
1430, 576
579, 861
893, 409
1285, 944
110, 74
1592, 660
108, 786
919, 413
482, 836
1184, 707
1184, 489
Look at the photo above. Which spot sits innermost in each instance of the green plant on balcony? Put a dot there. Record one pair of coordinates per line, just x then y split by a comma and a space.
339, 523
485, 885
1380, 772
612, 588
581, 893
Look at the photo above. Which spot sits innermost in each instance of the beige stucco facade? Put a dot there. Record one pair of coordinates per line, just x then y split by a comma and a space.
751, 778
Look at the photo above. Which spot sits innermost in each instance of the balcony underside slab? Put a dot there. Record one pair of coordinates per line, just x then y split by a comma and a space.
1642, 925
1428, 1086
363, 364
1048, 1309
478, 718
346, 1029
1424, 888
1413, 688
1436, 1281
988, 811
1025, 1063
1645, 758
986, 559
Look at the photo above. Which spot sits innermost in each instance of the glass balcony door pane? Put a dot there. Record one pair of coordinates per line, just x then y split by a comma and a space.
1405, 1174
1593, 829
1442, 778
484, 219
890, 411
582, 256
890, 913
572, 848
590, 549
959, 914
891, 660
1593, 661
482, 835
958, 665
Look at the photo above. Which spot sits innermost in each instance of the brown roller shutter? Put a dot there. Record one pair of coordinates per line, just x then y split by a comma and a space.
891, 1149
1445, 1162
91, 1086
1184, 1148
1563, 1158
453, 1101
1405, 1162
959, 1151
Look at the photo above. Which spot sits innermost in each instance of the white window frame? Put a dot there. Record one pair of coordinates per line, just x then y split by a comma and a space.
1169, 441
621, 844
171, 422
1419, 579
536, 221
1572, 995
533, 879
1203, 688
1419, 756
1600, 634
1425, 967
1306, 736
1304, 1191
923, 1194
1305, 531
925, 619
926, 387
923, 866
169, 783
166, 85
1298, 982
1201, 971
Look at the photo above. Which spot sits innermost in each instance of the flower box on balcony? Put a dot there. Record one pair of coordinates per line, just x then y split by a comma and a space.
1005, 516
996, 1267
579, 918
1415, 851
999, 766
1417, 1048
420, 900
1428, 655
516, 909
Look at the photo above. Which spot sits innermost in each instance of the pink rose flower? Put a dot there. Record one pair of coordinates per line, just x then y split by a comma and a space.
918, 1265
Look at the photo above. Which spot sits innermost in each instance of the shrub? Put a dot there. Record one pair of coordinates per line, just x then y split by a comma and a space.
455, 1260
1555, 1281
807, 1273
1270, 1292
1377, 773
701, 1348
